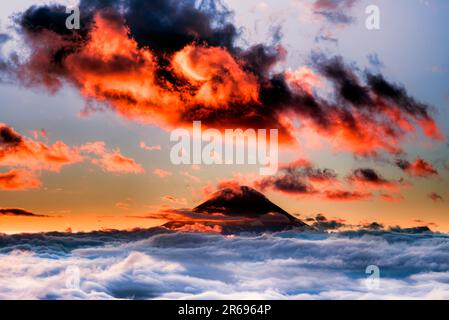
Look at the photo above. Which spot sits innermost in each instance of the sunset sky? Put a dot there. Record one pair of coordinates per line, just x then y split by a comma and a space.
85, 145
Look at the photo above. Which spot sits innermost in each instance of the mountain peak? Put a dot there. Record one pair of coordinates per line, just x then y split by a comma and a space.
254, 211
236, 201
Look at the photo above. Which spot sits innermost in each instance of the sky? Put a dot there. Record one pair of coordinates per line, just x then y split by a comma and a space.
83, 159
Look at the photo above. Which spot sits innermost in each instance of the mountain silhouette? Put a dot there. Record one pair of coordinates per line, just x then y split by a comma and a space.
243, 209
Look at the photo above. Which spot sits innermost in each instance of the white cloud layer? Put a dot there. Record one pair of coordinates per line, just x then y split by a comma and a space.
160, 264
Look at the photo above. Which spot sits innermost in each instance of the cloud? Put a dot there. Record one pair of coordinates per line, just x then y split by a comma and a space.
375, 61
299, 177
335, 11
156, 263
175, 200
346, 195
435, 197
169, 65
190, 220
124, 204
418, 168
16, 179
190, 176
425, 223
288, 184
374, 226
18, 151
27, 156
304, 79
15, 212
326, 37
117, 163
370, 178
162, 173
110, 161
391, 197
144, 146
413, 230
4, 38
323, 224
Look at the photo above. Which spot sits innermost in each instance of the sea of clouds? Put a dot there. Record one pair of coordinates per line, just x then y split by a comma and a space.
162, 264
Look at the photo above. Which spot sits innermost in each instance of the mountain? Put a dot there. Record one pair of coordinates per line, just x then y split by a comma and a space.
243, 209
244, 201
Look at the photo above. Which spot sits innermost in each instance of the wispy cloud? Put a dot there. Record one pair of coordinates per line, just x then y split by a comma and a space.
161, 173
17, 212
111, 161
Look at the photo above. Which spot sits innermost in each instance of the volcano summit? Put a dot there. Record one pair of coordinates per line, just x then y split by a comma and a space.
241, 209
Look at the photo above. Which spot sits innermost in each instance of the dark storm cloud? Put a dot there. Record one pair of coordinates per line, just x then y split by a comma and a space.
8, 137
165, 26
170, 25
398, 95
352, 90
363, 117
347, 83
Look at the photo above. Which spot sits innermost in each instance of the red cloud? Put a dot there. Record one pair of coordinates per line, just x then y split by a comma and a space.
162, 173
221, 85
18, 151
144, 146
117, 163
418, 168
344, 195
111, 161
19, 180
303, 79
391, 198
178, 201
